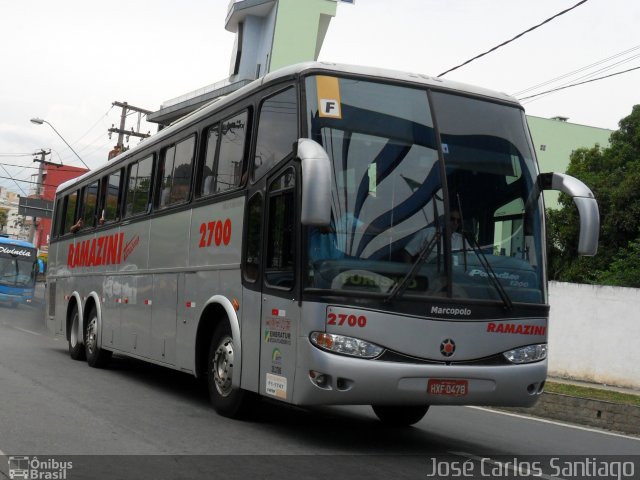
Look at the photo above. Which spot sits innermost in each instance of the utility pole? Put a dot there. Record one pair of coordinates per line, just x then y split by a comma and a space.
126, 109
42, 160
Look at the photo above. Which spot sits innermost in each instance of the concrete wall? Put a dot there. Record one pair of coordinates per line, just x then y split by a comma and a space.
594, 333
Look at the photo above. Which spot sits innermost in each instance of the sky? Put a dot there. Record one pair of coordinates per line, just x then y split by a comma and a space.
68, 61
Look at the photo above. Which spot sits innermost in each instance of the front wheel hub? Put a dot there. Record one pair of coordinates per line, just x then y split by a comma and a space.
222, 366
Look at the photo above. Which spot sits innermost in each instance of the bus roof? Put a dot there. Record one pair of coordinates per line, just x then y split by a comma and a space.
292, 72
15, 242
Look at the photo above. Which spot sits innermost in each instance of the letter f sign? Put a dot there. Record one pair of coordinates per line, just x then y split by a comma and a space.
330, 108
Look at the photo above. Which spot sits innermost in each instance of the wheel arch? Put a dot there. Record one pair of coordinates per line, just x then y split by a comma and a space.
217, 309
74, 301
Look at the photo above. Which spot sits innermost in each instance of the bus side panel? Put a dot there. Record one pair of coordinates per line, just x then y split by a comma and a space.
170, 240
280, 324
168, 248
52, 295
215, 238
136, 290
111, 295
214, 250
59, 272
163, 321
136, 314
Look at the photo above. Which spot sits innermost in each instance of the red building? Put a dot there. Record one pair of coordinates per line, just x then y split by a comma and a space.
51, 178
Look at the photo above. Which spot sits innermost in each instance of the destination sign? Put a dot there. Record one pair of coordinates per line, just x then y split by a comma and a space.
16, 251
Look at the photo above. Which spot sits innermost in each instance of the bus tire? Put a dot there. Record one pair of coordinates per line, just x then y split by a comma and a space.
227, 401
76, 348
400, 415
96, 356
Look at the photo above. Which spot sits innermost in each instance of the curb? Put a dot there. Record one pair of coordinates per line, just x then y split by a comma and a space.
584, 411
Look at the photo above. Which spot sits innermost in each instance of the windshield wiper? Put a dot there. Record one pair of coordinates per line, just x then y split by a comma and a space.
475, 246
399, 288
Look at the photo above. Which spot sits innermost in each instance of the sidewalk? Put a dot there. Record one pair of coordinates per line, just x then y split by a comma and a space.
582, 410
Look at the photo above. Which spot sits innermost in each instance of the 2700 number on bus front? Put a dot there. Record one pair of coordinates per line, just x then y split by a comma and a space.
350, 320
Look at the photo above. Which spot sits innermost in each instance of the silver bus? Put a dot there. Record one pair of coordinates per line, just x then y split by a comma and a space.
327, 234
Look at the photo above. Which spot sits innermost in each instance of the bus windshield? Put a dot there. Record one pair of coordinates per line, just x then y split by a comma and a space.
451, 211
15, 272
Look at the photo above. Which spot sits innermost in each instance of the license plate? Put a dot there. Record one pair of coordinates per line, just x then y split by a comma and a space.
448, 387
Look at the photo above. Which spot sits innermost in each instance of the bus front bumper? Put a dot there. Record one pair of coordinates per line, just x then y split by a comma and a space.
324, 378
14, 299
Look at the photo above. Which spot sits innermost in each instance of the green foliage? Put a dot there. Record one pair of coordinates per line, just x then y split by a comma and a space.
624, 271
597, 393
4, 216
613, 174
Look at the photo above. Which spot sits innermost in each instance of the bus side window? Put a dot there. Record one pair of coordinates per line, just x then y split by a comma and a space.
139, 187
177, 163
208, 182
281, 241
254, 238
277, 131
110, 207
89, 205
228, 172
57, 218
71, 202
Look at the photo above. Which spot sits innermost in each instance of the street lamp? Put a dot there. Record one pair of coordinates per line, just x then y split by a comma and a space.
40, 121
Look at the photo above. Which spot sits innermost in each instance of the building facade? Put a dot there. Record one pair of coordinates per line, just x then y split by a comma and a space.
555, 139
52, 177
16, 226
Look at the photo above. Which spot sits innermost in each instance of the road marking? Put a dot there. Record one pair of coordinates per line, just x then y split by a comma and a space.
505, 466
27, 331
561, 424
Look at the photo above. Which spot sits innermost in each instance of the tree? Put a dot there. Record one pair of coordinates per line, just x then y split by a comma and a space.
613, 174
4, 216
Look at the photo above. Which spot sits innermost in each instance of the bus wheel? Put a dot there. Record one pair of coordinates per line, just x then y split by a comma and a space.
96, 356
400, 416
76, 349
227, 400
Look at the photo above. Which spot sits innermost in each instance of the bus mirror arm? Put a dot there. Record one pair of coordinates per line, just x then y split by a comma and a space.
585, 202
316, 183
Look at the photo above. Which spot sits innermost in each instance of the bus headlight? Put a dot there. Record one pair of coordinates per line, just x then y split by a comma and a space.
345, 345
528, 354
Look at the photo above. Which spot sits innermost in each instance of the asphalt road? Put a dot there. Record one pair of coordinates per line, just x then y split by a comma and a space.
149, 422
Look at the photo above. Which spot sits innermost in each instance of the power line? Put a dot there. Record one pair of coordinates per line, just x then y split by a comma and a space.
607, 68
94, 125
11, 178
26, 181
99, 147
514, 38
591, 75
565, 75
579, 83
58, 167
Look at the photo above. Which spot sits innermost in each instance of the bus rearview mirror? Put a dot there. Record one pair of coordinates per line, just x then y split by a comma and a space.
316, 183
585, 202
